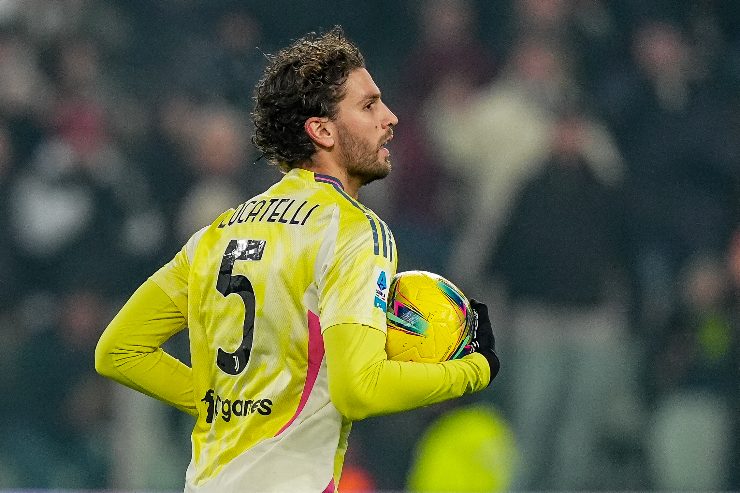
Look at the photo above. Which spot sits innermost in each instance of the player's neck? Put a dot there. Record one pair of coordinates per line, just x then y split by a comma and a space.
351, 186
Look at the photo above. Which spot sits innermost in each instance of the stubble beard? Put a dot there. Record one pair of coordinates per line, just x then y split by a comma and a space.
361, 158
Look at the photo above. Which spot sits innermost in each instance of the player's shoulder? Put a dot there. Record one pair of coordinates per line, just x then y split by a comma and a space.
359, 224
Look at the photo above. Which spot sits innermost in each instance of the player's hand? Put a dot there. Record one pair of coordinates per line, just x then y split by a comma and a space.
483, 341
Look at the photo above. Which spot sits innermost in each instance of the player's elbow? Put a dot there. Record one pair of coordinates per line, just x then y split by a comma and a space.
104, 364
352, 409
350, 403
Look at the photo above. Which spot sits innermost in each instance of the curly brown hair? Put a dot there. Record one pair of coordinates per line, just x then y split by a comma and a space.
304, 80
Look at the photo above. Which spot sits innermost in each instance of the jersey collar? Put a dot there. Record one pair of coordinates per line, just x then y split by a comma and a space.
328, 179
307, 175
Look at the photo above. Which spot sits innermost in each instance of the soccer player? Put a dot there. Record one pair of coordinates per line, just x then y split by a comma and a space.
284, 295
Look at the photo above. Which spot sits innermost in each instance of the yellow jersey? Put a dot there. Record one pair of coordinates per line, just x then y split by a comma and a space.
263, 290
260, 282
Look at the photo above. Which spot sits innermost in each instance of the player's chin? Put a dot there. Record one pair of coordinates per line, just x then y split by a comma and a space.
385, 167
377, 172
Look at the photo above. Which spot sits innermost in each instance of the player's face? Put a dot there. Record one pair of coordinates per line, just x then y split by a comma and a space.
365, 125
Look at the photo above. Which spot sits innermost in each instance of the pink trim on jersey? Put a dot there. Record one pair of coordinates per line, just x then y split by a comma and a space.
315, 356
330, 488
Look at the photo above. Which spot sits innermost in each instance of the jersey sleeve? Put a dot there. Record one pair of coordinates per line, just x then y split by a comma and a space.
129, 350
364, 383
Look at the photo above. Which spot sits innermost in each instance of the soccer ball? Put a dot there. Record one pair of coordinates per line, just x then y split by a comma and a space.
429, 319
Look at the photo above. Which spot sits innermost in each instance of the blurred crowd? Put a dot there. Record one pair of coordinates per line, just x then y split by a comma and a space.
574, 163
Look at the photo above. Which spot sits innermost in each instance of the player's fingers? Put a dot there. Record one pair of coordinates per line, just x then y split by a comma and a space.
480, 308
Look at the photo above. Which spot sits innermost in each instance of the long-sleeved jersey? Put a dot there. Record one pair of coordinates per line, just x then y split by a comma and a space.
284, 298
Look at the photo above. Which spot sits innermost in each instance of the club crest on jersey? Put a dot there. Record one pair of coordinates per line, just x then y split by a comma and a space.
381, 289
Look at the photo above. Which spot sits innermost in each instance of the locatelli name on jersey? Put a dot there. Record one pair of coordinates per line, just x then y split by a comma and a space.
226, 408
273, 210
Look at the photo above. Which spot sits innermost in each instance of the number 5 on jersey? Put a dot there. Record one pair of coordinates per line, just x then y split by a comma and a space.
234, 363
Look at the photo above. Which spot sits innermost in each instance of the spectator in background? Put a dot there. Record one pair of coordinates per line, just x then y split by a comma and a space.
682, 184
587, 28
560, 258
500, 137
25, 94
693, 383
521, 144
448, 56
220, 59
448, 51
200, 137
165, 154
63, 203
219, 155
239, 55
58, 406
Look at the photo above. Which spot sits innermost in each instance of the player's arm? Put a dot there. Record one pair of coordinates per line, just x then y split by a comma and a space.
353, 286
129, 351
364, 383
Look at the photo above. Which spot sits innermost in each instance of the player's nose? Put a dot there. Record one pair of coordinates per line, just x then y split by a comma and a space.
390, 118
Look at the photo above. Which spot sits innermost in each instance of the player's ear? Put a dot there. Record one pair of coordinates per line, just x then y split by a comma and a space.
320, 132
